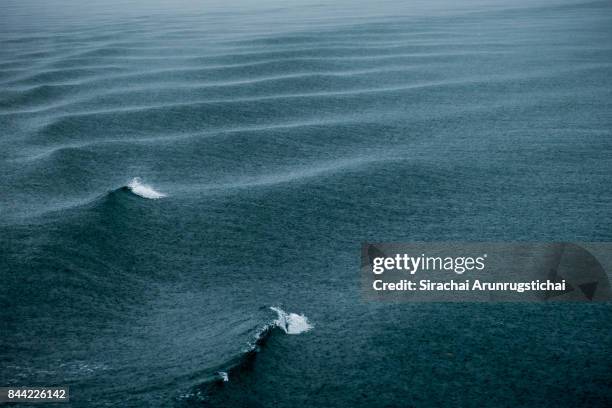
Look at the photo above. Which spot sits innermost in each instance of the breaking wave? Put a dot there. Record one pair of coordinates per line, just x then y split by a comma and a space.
291, 323
143, 190
288, 323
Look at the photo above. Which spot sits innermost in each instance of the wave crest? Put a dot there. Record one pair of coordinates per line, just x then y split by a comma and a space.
291, 323
143, 190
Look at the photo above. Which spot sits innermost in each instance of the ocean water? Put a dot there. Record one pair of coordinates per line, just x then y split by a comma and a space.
184, 188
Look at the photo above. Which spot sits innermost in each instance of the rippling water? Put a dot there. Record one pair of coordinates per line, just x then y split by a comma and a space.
168, 173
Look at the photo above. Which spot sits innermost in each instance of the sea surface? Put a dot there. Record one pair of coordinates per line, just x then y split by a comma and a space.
185, 186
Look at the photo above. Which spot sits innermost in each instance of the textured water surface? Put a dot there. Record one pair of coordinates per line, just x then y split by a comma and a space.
170, 172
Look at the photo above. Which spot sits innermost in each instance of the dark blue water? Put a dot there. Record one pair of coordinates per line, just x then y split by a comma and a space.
270, 140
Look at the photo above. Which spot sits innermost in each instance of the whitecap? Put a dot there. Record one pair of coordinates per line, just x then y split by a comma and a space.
291, 323
144, 190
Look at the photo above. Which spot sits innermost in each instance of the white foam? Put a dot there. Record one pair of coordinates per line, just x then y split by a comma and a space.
224, 376
291, 323
143, 190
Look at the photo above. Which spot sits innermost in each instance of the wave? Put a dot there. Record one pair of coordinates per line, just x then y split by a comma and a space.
288, 323
143, 190
291, 323
300, 86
